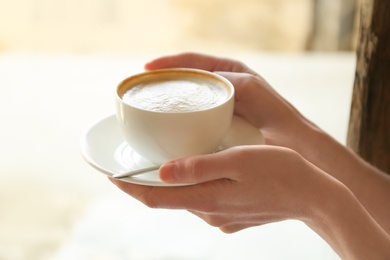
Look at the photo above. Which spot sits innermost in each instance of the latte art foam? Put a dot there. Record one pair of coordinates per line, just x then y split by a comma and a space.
175, 96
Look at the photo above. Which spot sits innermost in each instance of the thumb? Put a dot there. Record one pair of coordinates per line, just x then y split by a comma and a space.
197, 169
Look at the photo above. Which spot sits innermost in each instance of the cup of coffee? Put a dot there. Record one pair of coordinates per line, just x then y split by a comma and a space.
170, 113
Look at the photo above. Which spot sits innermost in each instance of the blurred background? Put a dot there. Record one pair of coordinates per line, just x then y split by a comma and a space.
133, 27
59, 63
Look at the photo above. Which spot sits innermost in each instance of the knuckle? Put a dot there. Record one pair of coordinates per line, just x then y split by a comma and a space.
215, 221
151, 203
292, 156
195, 169
248, 83
210, 207
149, 200
228, 229
240, 154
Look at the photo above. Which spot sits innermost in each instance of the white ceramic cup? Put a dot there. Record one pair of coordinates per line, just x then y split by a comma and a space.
161, 136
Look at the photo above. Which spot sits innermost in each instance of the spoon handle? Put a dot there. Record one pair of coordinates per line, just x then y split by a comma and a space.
135, 172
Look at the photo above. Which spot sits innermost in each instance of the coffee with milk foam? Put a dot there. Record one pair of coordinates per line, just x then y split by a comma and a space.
176, 95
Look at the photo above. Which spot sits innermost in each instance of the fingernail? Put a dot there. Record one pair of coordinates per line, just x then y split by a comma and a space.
167, 172
111, 179
147, 65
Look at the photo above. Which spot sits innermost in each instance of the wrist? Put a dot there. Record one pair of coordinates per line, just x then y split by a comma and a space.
326, 153
341, 220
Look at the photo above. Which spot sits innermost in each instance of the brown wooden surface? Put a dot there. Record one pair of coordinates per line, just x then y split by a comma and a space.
369, 126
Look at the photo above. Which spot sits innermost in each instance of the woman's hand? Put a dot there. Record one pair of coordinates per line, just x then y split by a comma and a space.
241, 187
249, 186
255, 100
282, 125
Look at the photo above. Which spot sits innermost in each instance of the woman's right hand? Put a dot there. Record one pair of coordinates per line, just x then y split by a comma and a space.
255, 100
282, 125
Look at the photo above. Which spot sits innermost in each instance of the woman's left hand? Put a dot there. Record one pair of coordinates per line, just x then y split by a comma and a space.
239, 187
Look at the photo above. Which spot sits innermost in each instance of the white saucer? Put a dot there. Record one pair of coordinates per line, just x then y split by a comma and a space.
104, 148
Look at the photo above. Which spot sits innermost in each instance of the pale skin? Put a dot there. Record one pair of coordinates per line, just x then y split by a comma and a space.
300, 173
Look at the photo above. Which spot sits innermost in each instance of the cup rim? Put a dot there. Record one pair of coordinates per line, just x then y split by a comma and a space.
151, 73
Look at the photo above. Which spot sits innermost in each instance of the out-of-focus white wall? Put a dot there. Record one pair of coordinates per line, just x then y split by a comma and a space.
147, 26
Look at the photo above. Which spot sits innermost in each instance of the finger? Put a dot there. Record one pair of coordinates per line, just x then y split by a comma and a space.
139, 192
198, 61
195, 197
227, 223
258, 102
198, 169
252, 97
236, 227
215, 220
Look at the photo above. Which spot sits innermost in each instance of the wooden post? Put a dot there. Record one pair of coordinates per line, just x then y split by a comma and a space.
369, 126
333, 25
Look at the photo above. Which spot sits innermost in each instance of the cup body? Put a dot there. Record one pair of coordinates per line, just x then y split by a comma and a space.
162, 136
